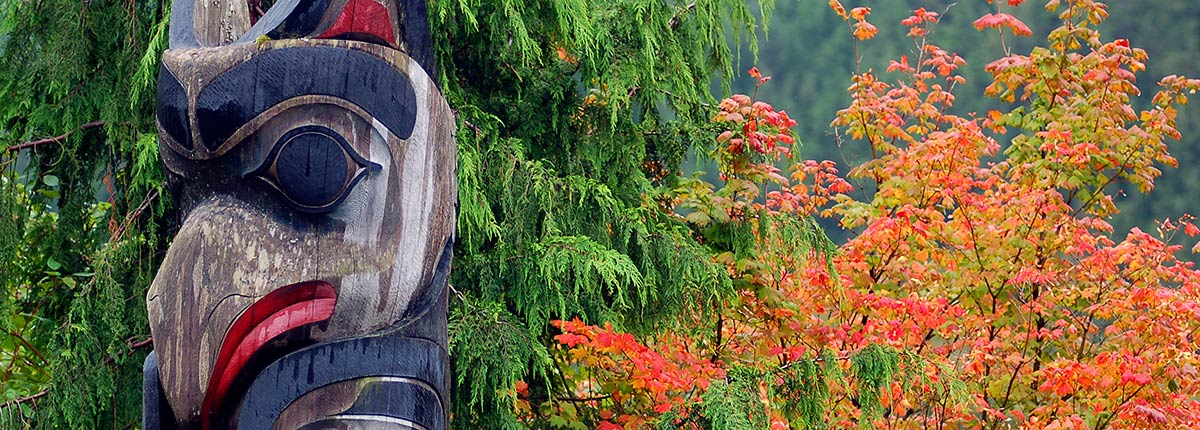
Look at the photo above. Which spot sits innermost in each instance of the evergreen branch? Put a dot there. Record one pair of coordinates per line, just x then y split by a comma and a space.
25, 399
55, 139
672, 95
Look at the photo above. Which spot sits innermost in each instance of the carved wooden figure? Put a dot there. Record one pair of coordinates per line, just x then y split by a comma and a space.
313, 158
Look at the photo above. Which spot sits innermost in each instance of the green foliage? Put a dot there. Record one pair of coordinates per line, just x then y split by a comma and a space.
873, 369
735, 403
807, 389
567, 110
79, 213
98, 323
491, 346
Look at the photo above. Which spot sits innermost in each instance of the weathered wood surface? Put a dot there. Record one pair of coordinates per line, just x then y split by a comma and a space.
317, 179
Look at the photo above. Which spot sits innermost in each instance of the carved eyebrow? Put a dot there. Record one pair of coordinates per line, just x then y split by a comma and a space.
172, 108
248, 89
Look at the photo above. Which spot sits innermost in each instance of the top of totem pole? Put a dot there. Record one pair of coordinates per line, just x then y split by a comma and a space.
399, 24
312, 158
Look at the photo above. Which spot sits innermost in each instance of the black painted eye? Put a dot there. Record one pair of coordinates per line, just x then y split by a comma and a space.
314, 168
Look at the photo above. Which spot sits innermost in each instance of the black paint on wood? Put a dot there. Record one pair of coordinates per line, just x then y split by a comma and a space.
314, 167
319, 365
250, 88
156, 413
398, 399
415, 32
172, 108
288, 19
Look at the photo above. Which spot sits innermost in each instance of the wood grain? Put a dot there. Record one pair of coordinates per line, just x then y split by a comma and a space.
382, 248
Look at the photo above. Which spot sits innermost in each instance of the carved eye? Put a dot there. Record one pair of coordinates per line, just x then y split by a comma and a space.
314, 168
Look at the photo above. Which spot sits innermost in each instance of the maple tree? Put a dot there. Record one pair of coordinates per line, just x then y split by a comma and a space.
984, 288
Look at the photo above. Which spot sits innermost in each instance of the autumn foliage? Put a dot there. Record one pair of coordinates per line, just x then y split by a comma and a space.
984, 287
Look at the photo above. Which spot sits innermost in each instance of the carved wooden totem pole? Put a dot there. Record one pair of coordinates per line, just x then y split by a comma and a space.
313, 158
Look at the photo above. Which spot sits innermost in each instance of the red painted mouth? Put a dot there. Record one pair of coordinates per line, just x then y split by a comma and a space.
278, 312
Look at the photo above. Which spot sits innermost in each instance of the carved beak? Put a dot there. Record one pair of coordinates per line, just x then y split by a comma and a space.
279, 312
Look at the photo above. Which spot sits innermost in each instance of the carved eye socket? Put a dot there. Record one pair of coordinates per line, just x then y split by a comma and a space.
314, 168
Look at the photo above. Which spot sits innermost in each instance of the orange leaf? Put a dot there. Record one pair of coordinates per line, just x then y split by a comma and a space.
838, 8
860, 13
1002, 20
1190, 229
864, 30
901, 65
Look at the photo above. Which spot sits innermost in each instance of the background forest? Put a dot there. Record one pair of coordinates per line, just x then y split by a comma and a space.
807, 56
643, 229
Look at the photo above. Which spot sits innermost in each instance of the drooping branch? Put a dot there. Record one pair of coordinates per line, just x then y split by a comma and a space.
55, 139
25, 399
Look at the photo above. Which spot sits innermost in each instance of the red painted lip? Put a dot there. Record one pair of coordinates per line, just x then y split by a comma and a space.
284, 309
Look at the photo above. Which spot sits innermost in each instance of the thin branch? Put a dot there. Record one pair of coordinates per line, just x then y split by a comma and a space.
582, 399
137, 212
55, 139
142, 343
29, 346
25, 399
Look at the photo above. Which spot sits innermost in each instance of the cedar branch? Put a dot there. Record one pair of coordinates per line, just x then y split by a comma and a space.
55, 139
25, 399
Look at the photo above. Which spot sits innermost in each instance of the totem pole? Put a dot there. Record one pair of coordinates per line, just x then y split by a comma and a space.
313, 159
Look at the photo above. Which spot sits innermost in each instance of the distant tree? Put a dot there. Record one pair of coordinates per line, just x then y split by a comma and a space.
1166, 29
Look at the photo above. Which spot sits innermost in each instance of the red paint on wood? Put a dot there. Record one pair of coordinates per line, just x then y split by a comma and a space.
363, 17
281, 310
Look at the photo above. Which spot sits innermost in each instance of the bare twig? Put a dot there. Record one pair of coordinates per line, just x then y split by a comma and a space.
137, 212
583, 399
29, 346
55, 139
142, 343
25, 399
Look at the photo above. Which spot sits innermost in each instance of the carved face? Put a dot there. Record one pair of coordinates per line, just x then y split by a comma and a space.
315, 172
